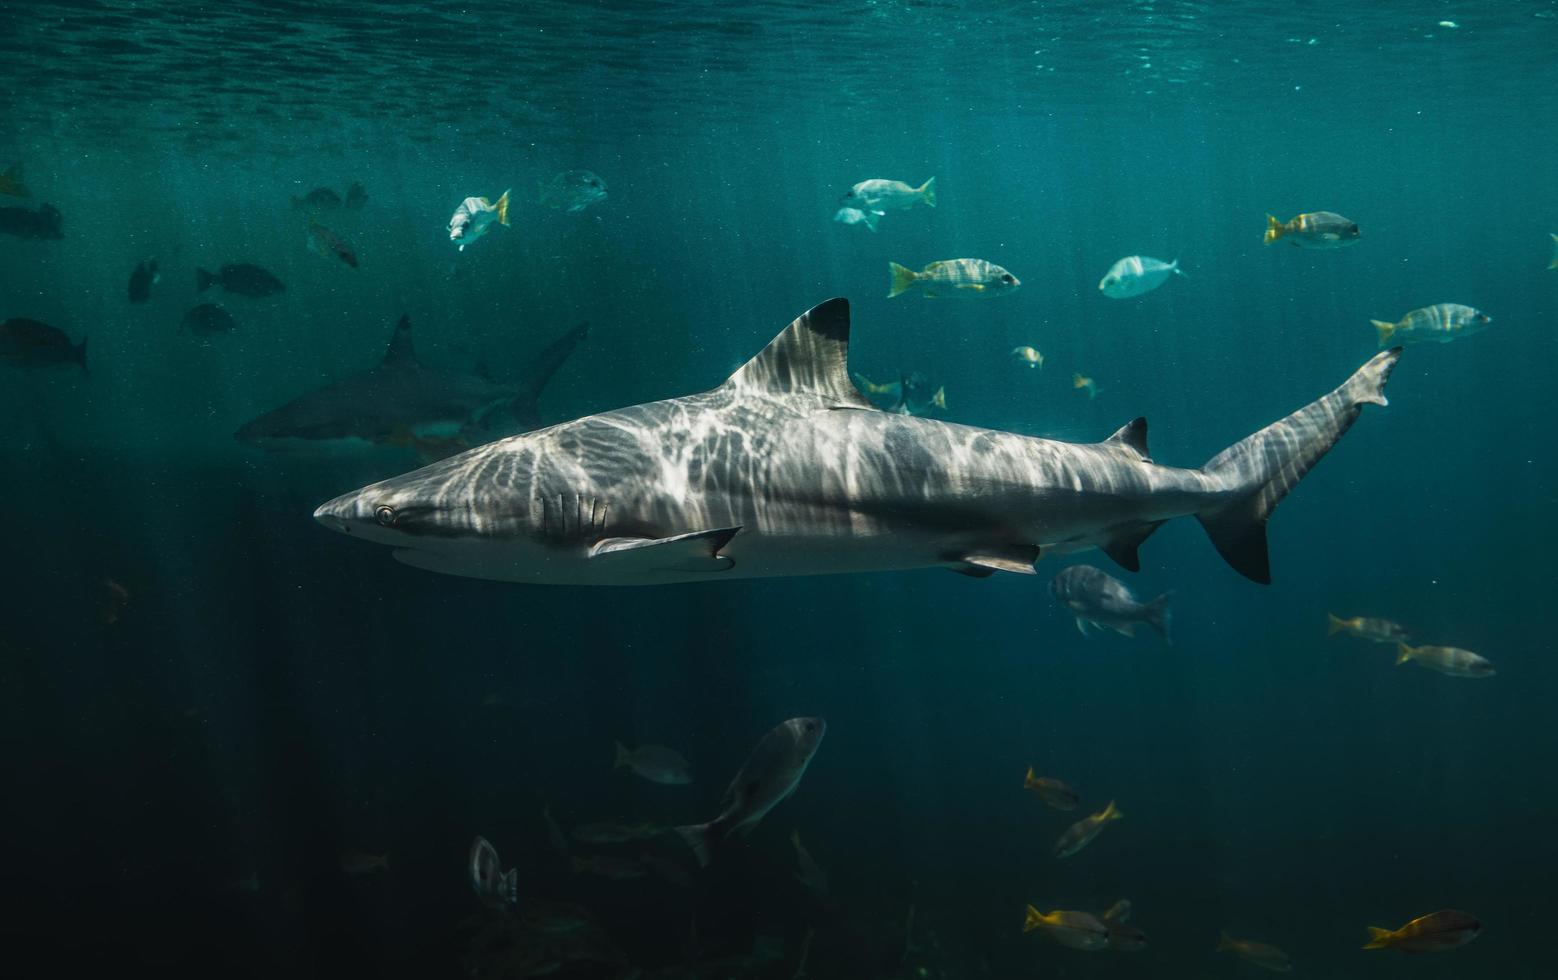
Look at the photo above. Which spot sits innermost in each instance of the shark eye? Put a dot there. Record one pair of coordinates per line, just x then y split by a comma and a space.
385, 515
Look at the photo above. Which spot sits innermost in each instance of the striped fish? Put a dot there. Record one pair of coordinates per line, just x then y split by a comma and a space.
952, 277
1317, 229
1442, 322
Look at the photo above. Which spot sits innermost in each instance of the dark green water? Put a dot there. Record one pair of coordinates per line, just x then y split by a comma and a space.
273, 694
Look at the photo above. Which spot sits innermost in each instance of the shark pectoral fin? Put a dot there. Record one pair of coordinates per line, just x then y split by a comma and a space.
1081, 626
1121, 547
697, 551
1018, 559
1125, 629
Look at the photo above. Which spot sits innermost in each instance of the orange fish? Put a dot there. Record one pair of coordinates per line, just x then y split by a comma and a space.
1431, 933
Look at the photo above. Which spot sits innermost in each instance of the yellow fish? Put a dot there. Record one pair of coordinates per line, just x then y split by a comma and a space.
1079, 930
1052, 791
1028, 356
1083, 383
952, 277
1366, 628
1432, 933
1446, 660
1317, 229
1081, 833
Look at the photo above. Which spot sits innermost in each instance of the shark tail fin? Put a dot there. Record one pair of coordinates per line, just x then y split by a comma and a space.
541, 370
927, 192
700, 838
1386, 331
503, 209
1160, 616
1262, 468
1274, 230
900, 279
1378, 938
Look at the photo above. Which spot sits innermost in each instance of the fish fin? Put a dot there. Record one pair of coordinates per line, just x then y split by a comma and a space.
900, 279
624, 757
1274, 230
872, 217
1133, 436
700, 838
1334, 625
1125, 629
503, 209
1386, 331
809, 357
927, 192
1403, 653
1033, 919
940, 398
1225, 943
1262, 468
203, 280
975, 286
1031, 780
696, 551
541, 370
1017, 558
400, 350
1160, 616
1112, 812
1082, 626
1177, 270
1554, 263
1378, 938
1122, 544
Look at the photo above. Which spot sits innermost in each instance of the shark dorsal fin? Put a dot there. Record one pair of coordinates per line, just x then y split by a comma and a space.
1133, 436
809, 357
400, 349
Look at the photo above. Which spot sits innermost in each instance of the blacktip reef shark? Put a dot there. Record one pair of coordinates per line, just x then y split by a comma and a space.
786, 469
403, 402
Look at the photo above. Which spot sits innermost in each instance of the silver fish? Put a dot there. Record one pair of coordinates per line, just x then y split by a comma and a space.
1098, 599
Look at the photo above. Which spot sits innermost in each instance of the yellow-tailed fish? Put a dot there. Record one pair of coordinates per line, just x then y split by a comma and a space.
1432, 933
952, 277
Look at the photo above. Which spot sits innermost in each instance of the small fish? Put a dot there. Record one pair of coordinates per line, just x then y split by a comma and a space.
472, 218
812, 875
1053, 792
142, 279
11, 182
1319, 229
1135, 275
356, 197
1081, 833
1367, 628
324, 242
1098, 600
1431, 933
208, 319
911, 394
671, 872
952, 277
113, 600
890, 195
1082, 382
855, 216
554, 833
1029, 356
1442, 322
1261, 954
572, 191
1553, 264
605, 832
768, 777
1079, 930
607, 866
318, 199
242, 278
655, 763
1446, 660
495, 887
45, 224
28, 343
1118, 912
361, 862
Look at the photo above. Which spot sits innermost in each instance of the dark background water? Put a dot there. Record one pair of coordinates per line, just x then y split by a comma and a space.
275, 694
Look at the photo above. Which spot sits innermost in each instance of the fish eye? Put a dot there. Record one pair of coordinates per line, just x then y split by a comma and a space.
385, 515
1008, 278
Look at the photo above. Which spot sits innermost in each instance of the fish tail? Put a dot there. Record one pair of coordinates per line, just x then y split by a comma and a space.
81, 356
1386, 331
1112, 812
1160, 616
872, 217
203, 280
1274, 230
1378, 938
899, 279
1225, 942
1033, 919
1177, 270
1261, 469
1403, 653
1554, 263
1031, 780
940, 398
1335, 625
503, 209
624, 757
700, 838
927, 192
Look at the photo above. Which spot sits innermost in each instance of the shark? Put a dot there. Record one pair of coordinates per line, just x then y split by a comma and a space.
787, 469
403, 402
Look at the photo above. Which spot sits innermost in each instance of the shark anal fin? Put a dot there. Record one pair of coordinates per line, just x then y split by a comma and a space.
697, 551
1122, 545
1018, 559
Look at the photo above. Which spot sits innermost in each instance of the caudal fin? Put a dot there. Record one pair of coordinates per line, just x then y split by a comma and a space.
503, 209
1031, 780
1032, 920
1274, 230
899, 279
624, 757
700, 838
540, 371
927, 192
1386, 331
1160, 616
1261, 469
1403, 653
1225, 942
203, 280
1334, 626
1378, 938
